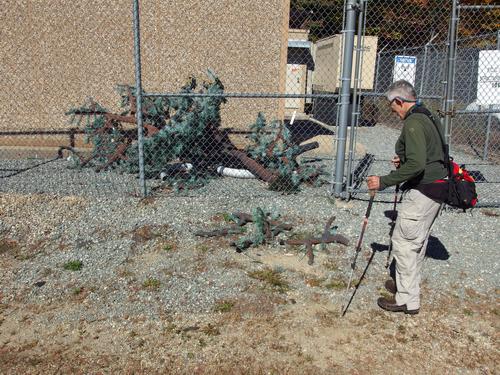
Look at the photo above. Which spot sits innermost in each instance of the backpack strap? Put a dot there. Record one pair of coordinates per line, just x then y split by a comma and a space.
420, 109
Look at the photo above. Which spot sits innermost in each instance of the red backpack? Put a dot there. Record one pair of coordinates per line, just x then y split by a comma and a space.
461, 192
461, 186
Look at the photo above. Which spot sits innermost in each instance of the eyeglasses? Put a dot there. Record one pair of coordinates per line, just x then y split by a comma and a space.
401, 100
396, 99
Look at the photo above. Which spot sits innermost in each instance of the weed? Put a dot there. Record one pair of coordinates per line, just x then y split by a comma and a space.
125, 273
223, 216
328, 318
7, 245
151, 283
210, 330
133, 334
230, 263
490, 213
45, 272
336, 284
314, 281
148, 232
76, 291
468, 312
223, 306
25, 256
330, 264
73, 265
227, 217
202, 248
167, 272
170, 328
147, 200
472, 293
168, 247
190, 355
143, 234
202, 342
302, 235
308, 358
385, 293
271, 277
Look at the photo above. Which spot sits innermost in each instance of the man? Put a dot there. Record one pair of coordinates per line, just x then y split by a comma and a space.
419, 161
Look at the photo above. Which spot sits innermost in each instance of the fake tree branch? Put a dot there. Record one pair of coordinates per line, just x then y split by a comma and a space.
180, 130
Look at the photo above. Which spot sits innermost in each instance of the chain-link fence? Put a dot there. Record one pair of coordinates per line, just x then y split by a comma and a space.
262, 118
411, 46
422, 55
475, 125
54, 55
236, 98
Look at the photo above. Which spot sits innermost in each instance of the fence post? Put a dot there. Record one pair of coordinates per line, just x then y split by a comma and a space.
450, 71
138, 96
345, 93
356, 98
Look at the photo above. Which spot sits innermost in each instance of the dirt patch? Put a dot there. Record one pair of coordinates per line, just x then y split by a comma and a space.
266, 333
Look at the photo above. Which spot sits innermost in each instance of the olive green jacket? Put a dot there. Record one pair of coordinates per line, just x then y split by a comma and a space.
420, 151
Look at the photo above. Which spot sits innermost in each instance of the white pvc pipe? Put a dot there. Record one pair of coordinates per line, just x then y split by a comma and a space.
233, 172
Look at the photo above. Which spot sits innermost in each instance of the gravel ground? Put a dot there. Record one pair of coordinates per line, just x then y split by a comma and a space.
100, 232
140, 257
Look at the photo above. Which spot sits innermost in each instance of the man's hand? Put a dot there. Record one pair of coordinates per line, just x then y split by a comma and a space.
396, 162
373, 182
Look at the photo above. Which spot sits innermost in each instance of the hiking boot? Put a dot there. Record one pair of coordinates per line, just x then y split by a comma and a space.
390, 286
391, 305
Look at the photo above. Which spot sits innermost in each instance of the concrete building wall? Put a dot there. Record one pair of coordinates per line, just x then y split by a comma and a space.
55, 53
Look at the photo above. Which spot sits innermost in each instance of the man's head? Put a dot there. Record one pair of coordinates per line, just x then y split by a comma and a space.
401, 96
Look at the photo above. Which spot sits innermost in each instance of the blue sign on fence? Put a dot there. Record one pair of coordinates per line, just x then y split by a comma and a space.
405, 67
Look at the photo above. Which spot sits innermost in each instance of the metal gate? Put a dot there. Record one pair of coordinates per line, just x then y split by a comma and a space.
454, 71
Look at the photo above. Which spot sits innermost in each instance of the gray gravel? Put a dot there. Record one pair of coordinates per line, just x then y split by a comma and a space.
192, 276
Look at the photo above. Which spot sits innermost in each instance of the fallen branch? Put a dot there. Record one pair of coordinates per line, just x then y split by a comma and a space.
326, 238
219, 232
267, 229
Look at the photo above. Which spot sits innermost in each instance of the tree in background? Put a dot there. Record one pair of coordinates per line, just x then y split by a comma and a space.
397, 23
322, 17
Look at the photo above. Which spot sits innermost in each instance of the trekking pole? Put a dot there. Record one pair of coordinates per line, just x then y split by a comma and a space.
358, 246
393, 224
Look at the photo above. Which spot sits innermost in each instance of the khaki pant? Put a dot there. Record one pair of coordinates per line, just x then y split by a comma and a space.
409, 243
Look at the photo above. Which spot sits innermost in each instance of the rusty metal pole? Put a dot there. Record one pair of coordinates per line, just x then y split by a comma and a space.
138, 96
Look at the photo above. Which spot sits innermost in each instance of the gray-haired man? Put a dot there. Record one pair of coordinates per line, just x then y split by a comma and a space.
419, 161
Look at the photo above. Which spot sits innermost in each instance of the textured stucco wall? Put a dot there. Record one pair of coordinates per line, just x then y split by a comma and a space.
55, 53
